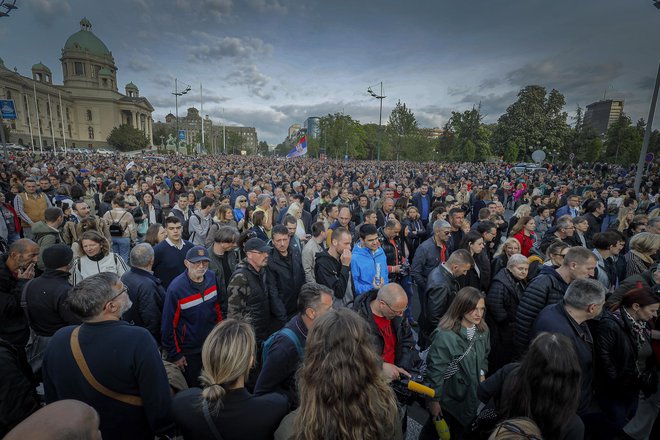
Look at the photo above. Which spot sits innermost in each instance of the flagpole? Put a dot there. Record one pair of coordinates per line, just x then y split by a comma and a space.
27, 102
52, 131
36, 106
201, 108
63, 123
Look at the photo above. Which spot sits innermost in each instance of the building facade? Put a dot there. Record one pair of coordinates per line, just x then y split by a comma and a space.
313, 126
81, 112
600, 115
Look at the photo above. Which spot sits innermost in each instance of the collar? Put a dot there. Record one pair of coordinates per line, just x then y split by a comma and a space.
171, 243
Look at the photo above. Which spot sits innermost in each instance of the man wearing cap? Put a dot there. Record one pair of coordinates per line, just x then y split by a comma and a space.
248, 293
194, 304
43, 301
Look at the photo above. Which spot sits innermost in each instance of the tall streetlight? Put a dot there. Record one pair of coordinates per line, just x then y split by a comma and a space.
176, 94
380, 114
647, 134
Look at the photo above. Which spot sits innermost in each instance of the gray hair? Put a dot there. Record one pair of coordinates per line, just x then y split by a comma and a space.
226, 234
141, 255
584, 291
261, 198
89, 296
516, 259
564, 223
438, 224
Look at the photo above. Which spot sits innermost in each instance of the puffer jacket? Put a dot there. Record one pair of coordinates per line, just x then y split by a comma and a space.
441, 289
427, 257
501, 306
616, 357
547, 288
405, 355
393, 253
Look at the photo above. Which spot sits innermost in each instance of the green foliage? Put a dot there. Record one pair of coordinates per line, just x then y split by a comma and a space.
165, 131
623, 141
533, 121
263, 148
404, 135
511, 152
234, 142
340, 133
465, 137
127, 138
594, 150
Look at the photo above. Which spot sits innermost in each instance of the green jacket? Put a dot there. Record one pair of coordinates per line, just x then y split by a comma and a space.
44, 236
457, 395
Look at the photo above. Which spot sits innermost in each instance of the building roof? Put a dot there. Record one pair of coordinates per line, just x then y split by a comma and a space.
85, 40
40, 66
130, 85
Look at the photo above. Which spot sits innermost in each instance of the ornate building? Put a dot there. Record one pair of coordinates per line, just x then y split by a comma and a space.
83, 111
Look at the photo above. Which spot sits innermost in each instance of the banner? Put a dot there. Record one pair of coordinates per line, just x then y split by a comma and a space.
300, 149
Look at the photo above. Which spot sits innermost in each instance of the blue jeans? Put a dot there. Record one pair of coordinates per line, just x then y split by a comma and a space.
406, 283
122, 247
618, 411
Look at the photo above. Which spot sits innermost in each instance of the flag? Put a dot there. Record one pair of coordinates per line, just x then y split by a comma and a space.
300, 149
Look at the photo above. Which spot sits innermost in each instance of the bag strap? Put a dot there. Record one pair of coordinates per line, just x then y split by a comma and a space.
84, 368
294, 338
209, 420
24, 303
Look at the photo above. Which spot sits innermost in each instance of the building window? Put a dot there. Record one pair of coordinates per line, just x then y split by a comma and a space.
8, 94
89, 115
90, 131
70, 132
95, 71
105, 82
39, 77
79, 68
48, 78
65, 69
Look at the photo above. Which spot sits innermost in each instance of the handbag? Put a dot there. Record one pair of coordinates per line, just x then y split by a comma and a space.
452, 368
84, 368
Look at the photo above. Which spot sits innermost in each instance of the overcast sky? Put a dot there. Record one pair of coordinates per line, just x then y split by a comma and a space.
273, 63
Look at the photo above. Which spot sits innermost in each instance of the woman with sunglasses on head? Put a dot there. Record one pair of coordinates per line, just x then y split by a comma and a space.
520, 428
457, 361
541, 387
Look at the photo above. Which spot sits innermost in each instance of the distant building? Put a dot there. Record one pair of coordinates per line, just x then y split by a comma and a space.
313, 126
600, 115
192, 124
433, 133
91, 103
294, 129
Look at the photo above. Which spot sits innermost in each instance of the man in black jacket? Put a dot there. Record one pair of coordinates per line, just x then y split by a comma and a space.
43, 301
428, 256
145, 291
283, 357
18, 398
285, 272
333, 267
548, 288
441, 289
223, 253
392, 335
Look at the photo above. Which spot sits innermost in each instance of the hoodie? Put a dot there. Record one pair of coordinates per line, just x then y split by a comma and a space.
363, 268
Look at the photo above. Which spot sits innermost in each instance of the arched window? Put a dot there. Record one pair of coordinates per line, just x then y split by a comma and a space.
90, 130
89, 115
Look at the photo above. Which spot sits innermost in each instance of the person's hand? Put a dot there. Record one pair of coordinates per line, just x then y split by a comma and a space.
27, 273
434, 408
181, 364
397, 268
345, 257
392, 372
406, 231
377, 282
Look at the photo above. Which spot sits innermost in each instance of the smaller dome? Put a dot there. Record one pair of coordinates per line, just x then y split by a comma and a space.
130, 85
105, 71
40, 66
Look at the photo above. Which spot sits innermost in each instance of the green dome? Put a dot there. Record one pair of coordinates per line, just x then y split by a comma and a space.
130, 85
40, 66
105, 71
85, 40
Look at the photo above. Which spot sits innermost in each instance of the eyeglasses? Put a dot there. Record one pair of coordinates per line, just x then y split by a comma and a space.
516, 430
124, 290
560, 254
397, 312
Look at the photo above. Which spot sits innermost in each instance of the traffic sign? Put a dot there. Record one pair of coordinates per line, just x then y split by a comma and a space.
182, 135
7, 109
571, 156
649, 157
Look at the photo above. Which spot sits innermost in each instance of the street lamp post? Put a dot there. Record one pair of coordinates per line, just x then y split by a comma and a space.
647, 135
176, 94
380, 113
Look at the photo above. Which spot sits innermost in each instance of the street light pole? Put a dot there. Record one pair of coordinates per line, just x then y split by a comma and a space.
176, 107
647, 135
380, 113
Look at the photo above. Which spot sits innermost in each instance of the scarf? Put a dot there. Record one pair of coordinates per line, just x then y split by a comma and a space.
638, 328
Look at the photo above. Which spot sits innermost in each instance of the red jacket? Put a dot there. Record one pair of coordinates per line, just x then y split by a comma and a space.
526, 242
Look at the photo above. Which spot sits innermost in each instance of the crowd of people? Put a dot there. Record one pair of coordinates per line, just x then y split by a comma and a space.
232, 297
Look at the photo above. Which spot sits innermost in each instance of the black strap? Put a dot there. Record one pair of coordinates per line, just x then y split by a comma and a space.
24, 303
209, 421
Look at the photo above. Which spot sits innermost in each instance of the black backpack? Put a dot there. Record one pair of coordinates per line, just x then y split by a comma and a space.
116, 228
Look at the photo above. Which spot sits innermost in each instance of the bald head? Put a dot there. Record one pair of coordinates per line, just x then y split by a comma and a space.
65, 420
392, 293
22, 246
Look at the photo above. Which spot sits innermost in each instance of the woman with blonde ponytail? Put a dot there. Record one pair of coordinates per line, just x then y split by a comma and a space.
224, 409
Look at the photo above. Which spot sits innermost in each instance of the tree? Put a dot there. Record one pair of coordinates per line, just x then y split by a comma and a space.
263, 148
463, 128
594, 150
403, 132
163, 131
127, 138
339, 134
511, 152
623, 141
234, 142
533, 121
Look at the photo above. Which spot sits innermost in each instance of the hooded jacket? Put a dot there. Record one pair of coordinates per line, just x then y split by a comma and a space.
363, 268
547, 288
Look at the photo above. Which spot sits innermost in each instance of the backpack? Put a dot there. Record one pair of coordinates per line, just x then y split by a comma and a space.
116, 228
289, 334
191, 235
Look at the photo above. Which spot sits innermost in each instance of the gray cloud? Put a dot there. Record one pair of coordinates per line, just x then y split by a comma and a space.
268, 6
645, 84
166, 100
215, 48
256, 82
142, 63
565, 76
47, 10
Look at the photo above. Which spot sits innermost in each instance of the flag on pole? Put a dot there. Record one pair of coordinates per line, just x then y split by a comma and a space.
300, 149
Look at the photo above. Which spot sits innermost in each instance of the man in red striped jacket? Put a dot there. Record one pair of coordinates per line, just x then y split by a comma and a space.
195, 302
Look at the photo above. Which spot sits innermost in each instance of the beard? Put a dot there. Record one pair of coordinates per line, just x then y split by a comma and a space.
126, 306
